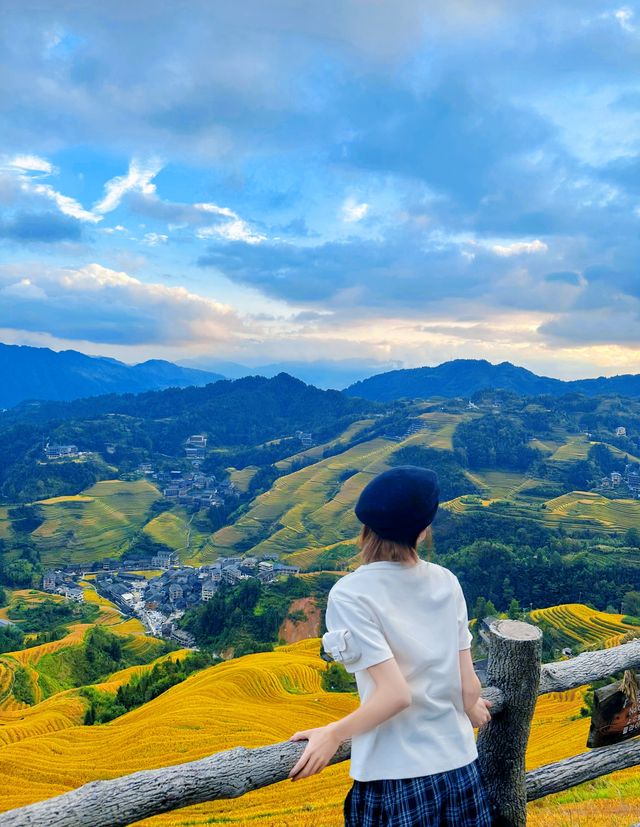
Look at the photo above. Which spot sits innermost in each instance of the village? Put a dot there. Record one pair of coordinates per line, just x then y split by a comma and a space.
630, 479
161, 601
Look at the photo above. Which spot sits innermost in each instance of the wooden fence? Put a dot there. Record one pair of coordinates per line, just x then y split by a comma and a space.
516, 678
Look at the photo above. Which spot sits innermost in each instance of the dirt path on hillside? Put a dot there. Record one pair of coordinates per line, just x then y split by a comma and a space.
292, 632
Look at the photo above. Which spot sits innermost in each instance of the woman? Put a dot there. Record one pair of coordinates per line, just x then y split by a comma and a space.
400, 625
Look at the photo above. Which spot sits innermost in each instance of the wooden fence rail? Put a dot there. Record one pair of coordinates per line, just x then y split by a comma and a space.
517, 678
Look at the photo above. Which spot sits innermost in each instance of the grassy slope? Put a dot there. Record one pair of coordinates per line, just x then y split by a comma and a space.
575, 510
5, 524
308, 511
98, 523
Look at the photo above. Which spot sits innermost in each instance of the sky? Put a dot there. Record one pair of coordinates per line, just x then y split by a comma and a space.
379, 183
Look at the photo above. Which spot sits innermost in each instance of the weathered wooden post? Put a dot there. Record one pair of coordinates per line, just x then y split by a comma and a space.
514, 667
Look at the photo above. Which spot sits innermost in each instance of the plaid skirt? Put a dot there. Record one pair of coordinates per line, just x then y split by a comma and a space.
455, 798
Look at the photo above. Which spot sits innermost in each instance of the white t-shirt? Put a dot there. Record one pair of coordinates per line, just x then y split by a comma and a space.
418, 615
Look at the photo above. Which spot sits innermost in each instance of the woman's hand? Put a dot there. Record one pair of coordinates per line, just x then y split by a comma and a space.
321, 747
479, 714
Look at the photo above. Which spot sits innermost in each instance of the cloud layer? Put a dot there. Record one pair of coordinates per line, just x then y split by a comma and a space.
396, 177
96, 304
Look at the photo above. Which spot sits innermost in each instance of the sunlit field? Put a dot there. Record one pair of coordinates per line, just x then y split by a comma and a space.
586, 627
95, 524
310, 510
252, 701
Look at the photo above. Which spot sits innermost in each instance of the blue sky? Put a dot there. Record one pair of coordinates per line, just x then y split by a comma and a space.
390, 183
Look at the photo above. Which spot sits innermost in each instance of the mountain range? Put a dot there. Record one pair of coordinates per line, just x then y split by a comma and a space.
464, 377
30, 373
41, 373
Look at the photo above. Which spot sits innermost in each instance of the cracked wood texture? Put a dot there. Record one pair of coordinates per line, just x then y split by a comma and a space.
589, 667
552, 778
513, 667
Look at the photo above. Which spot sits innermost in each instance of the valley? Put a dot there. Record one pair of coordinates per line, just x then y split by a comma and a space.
539, 519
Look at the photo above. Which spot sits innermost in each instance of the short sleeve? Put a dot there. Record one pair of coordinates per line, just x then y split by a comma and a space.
464, 634
353, 637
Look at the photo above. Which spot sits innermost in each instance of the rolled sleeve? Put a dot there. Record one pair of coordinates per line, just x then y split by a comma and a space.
353, 636
464, 634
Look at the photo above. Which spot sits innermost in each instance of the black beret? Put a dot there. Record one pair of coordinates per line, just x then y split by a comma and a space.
399, 503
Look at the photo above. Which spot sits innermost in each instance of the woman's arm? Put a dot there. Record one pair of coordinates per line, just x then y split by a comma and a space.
471, 685
475, 706
390, 696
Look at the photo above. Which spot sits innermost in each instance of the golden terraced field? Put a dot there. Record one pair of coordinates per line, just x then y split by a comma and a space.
586, 627
587, 507
41, 663
256, 700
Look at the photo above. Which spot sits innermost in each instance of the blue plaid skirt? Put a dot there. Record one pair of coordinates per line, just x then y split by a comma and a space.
455, 798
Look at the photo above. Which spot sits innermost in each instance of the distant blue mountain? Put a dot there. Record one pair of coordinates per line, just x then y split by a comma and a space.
41, 373
322, 373
463, 377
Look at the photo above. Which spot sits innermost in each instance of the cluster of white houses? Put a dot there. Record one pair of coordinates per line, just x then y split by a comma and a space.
630, 478
305, 438
61, 582
195, 447
191, 488
161, 601
61, 451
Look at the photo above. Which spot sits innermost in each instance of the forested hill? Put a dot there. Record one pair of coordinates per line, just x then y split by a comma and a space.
41, 373
247, 410
232, 413
464, 377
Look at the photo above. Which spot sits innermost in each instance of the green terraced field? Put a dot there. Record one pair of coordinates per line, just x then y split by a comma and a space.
98, 523
576, 447
440, 426
5, 524
176, 530
315, 452
309, 510
242, 478
577, 510
169, 528
585, 506
545, 446
499, 484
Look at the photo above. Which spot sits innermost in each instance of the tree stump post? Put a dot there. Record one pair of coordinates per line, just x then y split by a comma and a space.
514, 667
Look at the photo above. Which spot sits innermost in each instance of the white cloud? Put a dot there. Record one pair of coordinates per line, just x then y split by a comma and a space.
22, 168
153, 239
236, 229
30, 163
353, 212
66, 205
624, 16
138, 178
24, 289
95, 303
519, 247
214, 208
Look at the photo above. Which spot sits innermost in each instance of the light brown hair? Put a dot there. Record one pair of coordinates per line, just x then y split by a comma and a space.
374, 548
